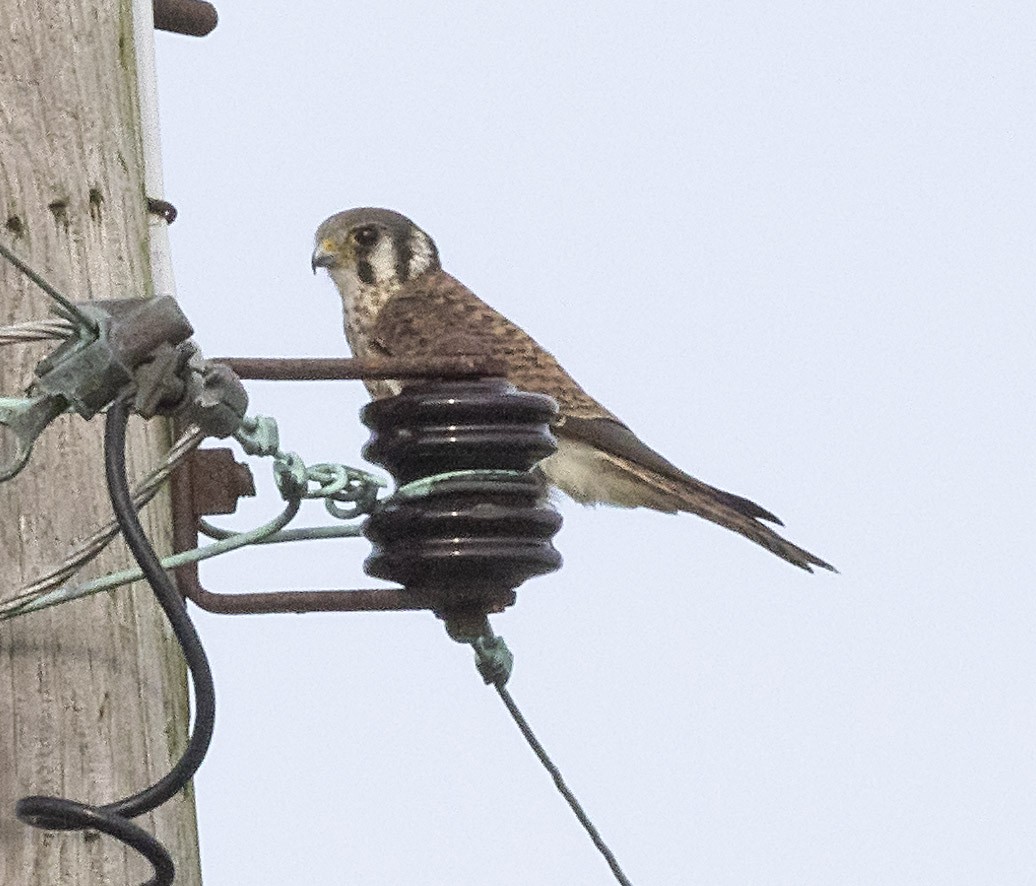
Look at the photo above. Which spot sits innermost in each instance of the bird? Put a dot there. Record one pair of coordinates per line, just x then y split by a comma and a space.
398, 301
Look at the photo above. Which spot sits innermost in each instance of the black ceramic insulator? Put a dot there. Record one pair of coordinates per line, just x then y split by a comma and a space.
469, 541
440, 426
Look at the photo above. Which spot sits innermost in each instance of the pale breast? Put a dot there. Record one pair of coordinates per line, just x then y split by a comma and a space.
360, 307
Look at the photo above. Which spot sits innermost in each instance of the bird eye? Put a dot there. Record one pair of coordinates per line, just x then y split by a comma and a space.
366, 236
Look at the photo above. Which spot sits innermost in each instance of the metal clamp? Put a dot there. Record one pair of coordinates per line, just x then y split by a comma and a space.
141, 345
22, 420
88, 373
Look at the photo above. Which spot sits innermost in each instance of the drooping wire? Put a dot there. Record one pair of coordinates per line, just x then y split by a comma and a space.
56, 813
173, 606
348, 494
90, 547
496, 675
260, 535
68, 308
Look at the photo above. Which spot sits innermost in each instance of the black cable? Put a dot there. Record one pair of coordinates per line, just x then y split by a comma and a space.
57, 813
173, 606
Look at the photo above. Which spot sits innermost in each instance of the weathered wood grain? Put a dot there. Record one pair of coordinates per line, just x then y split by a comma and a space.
93, 700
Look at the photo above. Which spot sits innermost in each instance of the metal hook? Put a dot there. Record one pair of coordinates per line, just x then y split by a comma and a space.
22, 420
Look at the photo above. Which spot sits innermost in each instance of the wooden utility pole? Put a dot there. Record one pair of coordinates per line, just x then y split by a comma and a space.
93, 698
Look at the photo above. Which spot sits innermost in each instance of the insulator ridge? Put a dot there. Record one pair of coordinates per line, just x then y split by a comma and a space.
479, 523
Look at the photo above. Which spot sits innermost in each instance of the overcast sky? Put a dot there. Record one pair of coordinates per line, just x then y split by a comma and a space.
792, 246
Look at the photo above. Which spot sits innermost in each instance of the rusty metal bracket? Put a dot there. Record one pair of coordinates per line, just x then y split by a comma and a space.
211, 481
346, 368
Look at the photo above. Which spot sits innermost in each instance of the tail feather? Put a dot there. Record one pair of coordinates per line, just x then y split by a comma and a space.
592, 475
730, 511
742, 505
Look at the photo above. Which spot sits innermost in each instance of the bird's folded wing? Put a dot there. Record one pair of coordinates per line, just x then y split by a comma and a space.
440, 316
612, 436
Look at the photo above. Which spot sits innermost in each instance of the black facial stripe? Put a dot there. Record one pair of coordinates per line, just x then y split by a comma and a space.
365, 271
401, 247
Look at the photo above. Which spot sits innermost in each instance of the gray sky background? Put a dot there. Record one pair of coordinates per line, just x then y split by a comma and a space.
792, 245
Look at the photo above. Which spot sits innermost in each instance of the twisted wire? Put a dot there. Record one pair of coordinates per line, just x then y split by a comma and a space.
348, 493
35, 330
91, 546
265, 533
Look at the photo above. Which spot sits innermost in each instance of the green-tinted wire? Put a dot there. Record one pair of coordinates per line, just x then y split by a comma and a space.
523, 725
117, 579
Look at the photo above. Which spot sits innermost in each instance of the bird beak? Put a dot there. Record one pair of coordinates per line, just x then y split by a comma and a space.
323, 256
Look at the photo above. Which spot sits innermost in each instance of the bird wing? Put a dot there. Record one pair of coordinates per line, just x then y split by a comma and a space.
613, 437
436, 314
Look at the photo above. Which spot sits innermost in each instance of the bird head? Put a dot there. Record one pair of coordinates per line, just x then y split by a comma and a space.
363, 248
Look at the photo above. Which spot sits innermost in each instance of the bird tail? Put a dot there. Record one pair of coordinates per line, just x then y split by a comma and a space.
592, 475
723, 508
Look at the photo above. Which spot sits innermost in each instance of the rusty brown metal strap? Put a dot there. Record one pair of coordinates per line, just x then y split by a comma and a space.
334, 368
185, 538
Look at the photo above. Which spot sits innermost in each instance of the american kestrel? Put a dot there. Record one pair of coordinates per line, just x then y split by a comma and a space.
398, 301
